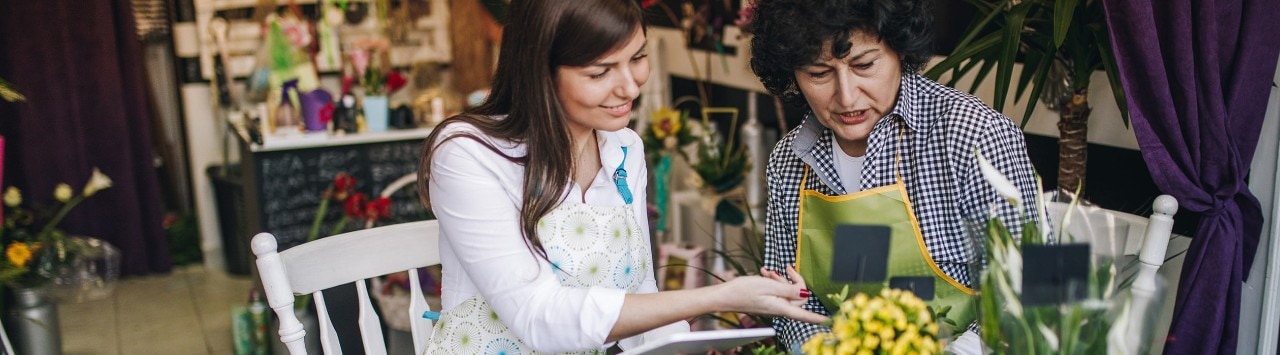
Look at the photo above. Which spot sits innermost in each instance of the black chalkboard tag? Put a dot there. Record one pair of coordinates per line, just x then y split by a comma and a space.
861, 253
1054, 274
921, 286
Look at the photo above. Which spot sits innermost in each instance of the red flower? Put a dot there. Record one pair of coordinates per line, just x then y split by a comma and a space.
647, 3
395, 81
343, 182
326, 113
379, 208
354, 205
347, 81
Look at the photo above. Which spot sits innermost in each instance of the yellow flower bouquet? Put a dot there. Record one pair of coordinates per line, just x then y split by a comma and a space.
33, 250
893, 322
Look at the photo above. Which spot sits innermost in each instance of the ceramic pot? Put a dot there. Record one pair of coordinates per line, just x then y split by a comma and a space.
375, 113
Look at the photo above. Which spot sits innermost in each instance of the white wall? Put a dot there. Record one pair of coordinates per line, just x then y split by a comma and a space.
1260, 299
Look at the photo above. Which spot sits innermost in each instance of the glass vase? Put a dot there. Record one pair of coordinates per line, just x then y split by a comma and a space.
81, 269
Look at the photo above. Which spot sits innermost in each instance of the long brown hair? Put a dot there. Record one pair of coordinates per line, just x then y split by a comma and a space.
539, 37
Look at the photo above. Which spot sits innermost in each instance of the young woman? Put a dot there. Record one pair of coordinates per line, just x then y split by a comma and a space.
540, 193
880, 145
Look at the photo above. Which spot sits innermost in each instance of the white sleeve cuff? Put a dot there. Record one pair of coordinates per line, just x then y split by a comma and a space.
600, 311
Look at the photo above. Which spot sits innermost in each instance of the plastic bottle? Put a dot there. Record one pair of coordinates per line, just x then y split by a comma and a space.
258, 317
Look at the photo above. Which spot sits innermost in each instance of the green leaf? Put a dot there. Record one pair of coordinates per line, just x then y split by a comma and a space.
980, 24
733, 262
987, 65
1063, 10
7, 92
1031, 66
1113, 72
1011, 40
963, 54
1040, 79
1031, 233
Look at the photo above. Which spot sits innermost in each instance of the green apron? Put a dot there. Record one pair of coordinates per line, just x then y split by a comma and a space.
908, 255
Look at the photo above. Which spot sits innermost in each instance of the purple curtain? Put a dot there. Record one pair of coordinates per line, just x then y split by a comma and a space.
80, 65
1197, 74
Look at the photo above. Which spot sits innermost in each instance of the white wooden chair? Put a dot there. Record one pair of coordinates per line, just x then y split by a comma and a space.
348, 258
409, 179
1122, 234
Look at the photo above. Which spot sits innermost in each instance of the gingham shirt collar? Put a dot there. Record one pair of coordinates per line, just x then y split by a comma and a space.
813, 142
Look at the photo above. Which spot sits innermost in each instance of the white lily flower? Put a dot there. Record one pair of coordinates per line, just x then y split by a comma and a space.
1049, 336
1001, 183
62, 192
1118, 341
1006, 291
1042, 211
97, 182
1013, 263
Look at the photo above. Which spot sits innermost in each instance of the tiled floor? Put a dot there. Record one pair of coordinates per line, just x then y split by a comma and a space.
185, 312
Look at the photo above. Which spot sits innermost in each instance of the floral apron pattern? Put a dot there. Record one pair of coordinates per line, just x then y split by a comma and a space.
587, 245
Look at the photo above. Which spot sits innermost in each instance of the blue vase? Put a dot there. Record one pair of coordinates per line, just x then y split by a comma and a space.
375, 113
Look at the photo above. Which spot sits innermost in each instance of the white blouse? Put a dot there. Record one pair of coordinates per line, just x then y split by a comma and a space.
476, 194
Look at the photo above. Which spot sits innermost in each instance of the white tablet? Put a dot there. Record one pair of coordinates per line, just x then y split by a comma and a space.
700, 342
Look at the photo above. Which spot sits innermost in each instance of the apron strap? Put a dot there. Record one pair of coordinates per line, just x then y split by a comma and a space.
897, 154
799, 205
620, 179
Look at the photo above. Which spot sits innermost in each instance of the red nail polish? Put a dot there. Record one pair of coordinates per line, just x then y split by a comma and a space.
804, 293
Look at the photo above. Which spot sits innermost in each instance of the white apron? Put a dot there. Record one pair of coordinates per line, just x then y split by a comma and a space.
587, 246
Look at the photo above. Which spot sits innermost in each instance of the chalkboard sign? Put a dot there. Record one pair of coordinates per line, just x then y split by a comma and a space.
289, 185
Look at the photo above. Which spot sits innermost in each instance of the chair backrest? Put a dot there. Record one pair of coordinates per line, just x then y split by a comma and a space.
342, 259
404, 181
1120, 234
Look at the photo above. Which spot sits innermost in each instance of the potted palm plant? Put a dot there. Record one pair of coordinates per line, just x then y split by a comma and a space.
1061, 43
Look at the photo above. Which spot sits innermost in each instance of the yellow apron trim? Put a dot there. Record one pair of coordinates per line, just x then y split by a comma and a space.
847, 197
799, 218
915, 227
915, 224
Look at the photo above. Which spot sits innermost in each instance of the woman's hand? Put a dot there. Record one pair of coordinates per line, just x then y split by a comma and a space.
767, 295
795, 275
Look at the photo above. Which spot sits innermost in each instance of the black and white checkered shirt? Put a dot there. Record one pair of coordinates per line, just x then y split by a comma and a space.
936, 130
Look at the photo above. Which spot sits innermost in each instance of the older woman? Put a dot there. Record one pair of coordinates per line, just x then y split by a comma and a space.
879, 145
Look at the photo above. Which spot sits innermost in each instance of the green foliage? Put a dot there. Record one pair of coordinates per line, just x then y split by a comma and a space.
771, 349
1010, 328
1039, 33
184, 240
667, 133
722, 167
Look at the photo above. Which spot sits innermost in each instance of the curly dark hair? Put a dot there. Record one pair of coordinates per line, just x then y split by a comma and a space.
788, 34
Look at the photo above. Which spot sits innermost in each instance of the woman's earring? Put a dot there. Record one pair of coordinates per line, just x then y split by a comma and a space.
791, 90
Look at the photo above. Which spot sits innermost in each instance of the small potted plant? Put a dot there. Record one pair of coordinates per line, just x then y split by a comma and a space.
37, 252
372, 63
